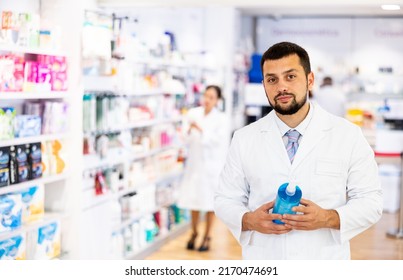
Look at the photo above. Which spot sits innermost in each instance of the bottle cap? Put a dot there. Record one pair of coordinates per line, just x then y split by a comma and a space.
290, 190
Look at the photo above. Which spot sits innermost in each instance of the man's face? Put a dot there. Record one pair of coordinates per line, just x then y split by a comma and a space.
286, 84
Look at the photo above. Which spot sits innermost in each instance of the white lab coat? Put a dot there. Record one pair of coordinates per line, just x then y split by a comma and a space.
334, 167
206, 153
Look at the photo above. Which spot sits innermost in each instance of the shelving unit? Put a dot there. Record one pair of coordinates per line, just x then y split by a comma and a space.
139, 124
48, 218
32, 139
18, 49
158, 242
58, 182
27, 184
32, 95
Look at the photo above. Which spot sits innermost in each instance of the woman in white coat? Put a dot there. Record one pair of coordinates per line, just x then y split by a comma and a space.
206, 136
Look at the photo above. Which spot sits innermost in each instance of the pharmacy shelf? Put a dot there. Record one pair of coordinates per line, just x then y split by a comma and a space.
159, 242
32, 139
164, 63
136, 217
135, 93
134, 125
162, 180
43, 51
33, 95
101, 199
30, 183
371, 96
120, 156
48, 218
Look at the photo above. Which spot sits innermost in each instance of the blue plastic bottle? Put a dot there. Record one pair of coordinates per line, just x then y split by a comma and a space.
288, 196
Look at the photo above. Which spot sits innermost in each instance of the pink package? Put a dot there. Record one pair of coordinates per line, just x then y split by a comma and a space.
59, 63
31, 72
43, 73
19, 64
59, 81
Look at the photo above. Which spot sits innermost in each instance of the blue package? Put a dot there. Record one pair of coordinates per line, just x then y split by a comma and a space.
10, 212
35, 160
23, 168
12, 248
27, 125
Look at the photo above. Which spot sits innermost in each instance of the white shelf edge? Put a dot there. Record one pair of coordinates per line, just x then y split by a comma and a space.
43, 51
137, 124
135, 93
33, 95
48, 218
115, 160
155, 62
32, 139
158, 242
30, 183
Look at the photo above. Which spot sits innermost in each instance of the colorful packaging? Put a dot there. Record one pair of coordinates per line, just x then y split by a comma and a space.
30, 75
4, 167
45, 242
13, 248
27, 125
19, 64
13, 165
23, 167
7, 116
33, 203
59, 81
7, 82
10, 212
35, 160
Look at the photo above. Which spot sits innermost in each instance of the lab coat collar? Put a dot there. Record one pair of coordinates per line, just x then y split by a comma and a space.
321, 123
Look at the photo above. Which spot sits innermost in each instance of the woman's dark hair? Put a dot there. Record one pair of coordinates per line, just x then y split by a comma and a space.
217, 90
285, 49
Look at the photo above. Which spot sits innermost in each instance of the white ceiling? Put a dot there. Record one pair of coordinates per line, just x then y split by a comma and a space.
274, 8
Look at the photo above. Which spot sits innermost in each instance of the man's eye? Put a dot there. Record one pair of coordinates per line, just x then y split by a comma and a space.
270, 80
291, 77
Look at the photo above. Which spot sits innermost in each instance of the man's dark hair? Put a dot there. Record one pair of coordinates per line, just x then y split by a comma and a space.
285, 49
217, 90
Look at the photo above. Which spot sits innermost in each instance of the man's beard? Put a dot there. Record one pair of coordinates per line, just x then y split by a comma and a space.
292, 108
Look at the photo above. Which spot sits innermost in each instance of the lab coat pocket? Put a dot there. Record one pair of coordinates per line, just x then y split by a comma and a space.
328, 167
329, 182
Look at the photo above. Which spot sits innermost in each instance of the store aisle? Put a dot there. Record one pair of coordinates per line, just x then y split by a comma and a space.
370, 245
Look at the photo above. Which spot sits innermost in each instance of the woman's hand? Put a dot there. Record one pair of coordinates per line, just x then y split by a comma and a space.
195, 126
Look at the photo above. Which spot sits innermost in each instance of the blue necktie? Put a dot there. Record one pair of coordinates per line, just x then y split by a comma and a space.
292, 145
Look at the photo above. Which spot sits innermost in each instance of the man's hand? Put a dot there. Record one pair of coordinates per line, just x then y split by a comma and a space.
262, 221
312, 217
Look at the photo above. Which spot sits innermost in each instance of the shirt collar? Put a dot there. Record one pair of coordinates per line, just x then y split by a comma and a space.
301, 128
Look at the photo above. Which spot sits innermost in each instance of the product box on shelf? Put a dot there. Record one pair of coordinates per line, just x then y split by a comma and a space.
13, 248
52, 157
35, 160
33, 203
11, 72
45, 242
4, 166
10, 212
7, 116
21, 154
27, 125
